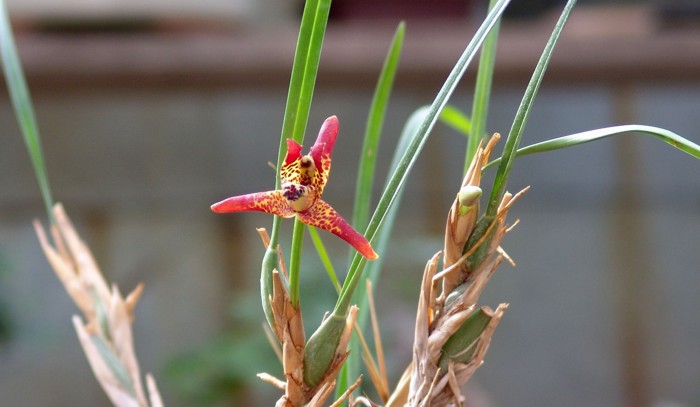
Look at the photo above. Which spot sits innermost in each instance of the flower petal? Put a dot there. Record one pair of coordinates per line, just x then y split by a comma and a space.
291, 171
323, 216
322, 150
271, 202
293, 151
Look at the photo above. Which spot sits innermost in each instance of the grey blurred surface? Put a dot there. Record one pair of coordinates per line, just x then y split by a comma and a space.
138, 169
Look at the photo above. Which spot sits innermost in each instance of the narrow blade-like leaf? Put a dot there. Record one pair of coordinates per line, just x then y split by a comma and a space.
416, 145
501, 180
572, 140
482, 92
22, 103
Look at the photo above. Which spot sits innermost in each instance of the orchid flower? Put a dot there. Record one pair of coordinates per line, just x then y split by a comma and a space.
303, 180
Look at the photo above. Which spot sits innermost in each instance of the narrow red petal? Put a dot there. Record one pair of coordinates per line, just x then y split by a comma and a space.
323, 149
271, 202
323, 216
326, 138
293, 151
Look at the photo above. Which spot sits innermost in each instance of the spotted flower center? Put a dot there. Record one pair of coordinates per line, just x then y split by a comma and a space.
300, 197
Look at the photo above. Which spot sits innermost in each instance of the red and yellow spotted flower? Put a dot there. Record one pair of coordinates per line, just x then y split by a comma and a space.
303, 180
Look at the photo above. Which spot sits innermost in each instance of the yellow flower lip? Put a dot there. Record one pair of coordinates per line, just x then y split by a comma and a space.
299, 197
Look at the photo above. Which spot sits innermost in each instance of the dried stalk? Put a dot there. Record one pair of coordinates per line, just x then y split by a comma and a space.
106, 335
452, 332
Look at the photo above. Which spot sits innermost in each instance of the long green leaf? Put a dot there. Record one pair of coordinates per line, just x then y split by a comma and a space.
523, 113
382, 240
514, 136
411, 155
365, 181
667, 136
375, 122
326, 333
482, 92
456, 119
22, 104
303, 79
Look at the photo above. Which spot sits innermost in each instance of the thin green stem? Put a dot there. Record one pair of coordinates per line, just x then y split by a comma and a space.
301, 87
323, 255
295, 262
300, 118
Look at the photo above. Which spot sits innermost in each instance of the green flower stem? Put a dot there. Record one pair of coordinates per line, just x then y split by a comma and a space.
295, 262
301, 87
301, 90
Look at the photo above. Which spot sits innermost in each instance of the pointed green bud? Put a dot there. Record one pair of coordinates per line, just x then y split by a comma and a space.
321, 348
468, 198
459, 348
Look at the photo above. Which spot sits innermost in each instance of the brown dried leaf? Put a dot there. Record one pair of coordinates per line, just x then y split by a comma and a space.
106, 336
153, 393
66, 274
111, 385
132, 300
424, 367
84, 262
120, 331
347, 393
268, 378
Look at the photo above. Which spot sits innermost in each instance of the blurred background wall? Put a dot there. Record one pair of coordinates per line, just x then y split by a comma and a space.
150, 113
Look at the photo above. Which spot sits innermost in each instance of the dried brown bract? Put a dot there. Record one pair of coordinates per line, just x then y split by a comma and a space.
106, 335
452, 332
